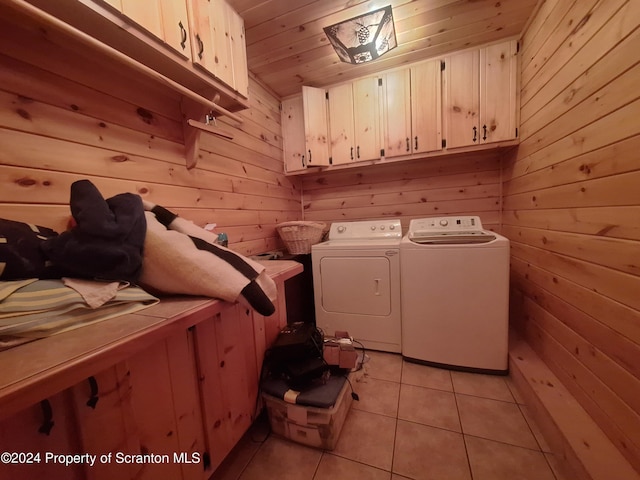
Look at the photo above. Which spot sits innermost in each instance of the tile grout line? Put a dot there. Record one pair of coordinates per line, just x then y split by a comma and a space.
464, 437
553, 472
395, 432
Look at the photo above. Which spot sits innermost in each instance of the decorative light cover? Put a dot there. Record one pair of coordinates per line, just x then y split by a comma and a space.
364, 38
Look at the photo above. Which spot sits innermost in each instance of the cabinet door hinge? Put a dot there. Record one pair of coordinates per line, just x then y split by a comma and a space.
516, 132
330, 160
326, 95
379, 82
517, 47
382, 152
442, 65
280, 107
444, 143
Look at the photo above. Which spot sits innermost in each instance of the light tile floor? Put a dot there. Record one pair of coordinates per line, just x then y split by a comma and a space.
412, 422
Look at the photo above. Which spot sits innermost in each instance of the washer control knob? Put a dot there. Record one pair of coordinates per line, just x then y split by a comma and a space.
392, 227
444, 222
373, 227
381, 227
341, 228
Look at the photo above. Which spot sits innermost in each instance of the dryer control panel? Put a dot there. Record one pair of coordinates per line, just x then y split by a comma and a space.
366, 229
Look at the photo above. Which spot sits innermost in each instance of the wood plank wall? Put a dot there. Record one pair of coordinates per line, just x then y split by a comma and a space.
466, 184
572, 206
66, 115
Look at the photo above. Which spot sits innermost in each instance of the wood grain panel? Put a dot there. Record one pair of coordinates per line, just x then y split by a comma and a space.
464, 185
572, 211
570, 373
538, 285
58, 125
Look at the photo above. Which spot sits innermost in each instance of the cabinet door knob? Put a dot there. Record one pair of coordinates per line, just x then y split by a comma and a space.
47, 413
183, 35
484, 132
475, 134
200, 46
93, 398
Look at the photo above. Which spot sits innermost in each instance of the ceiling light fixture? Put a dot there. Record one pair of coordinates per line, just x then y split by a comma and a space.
364, 38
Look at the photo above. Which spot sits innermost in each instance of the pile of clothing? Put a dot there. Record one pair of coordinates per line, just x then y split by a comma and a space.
127, 241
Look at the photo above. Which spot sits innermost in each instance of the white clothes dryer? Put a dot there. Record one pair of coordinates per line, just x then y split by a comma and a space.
455, 294
356, 281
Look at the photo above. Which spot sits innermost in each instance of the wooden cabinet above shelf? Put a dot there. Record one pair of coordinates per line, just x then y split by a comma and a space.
465, 102
103, 22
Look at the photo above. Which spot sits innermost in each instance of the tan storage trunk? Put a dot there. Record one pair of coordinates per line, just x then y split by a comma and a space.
312, 426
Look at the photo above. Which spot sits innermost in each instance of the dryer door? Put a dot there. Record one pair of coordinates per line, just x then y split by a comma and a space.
356, 285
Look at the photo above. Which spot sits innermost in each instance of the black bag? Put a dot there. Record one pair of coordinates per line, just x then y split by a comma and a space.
296, 355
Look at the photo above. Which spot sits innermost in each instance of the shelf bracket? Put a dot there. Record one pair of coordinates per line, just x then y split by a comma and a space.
192, 128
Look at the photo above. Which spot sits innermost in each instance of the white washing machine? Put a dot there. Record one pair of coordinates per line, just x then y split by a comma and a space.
356, 281
455, 294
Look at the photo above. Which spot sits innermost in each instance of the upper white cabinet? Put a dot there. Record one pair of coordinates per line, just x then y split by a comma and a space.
195, 47
480, 101
316, 126
342, 127
426, 107
366, 114
166, 19
411, 102
305, 130
396, 113
293, 143
354, 121
217, 42
464, 102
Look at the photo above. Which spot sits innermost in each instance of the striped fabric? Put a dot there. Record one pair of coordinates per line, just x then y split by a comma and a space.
38, 308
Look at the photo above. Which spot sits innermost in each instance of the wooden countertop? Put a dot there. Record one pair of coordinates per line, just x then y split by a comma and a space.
36, 370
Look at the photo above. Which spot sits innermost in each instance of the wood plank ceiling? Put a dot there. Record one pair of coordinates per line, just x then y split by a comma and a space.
287, 48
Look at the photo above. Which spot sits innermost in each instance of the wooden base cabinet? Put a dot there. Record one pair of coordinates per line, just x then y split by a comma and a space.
480, 100
228, 377
169, 392
28, 436
148, 405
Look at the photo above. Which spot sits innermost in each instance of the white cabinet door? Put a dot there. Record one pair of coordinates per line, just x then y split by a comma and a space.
366, 105
412, 110
316, 126
498, 92
462, 79
175, 25
218, 43
426, 107
396, 113
341, 124
481, 95
293, 143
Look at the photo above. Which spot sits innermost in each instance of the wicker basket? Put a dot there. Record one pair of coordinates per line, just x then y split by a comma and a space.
299, 236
